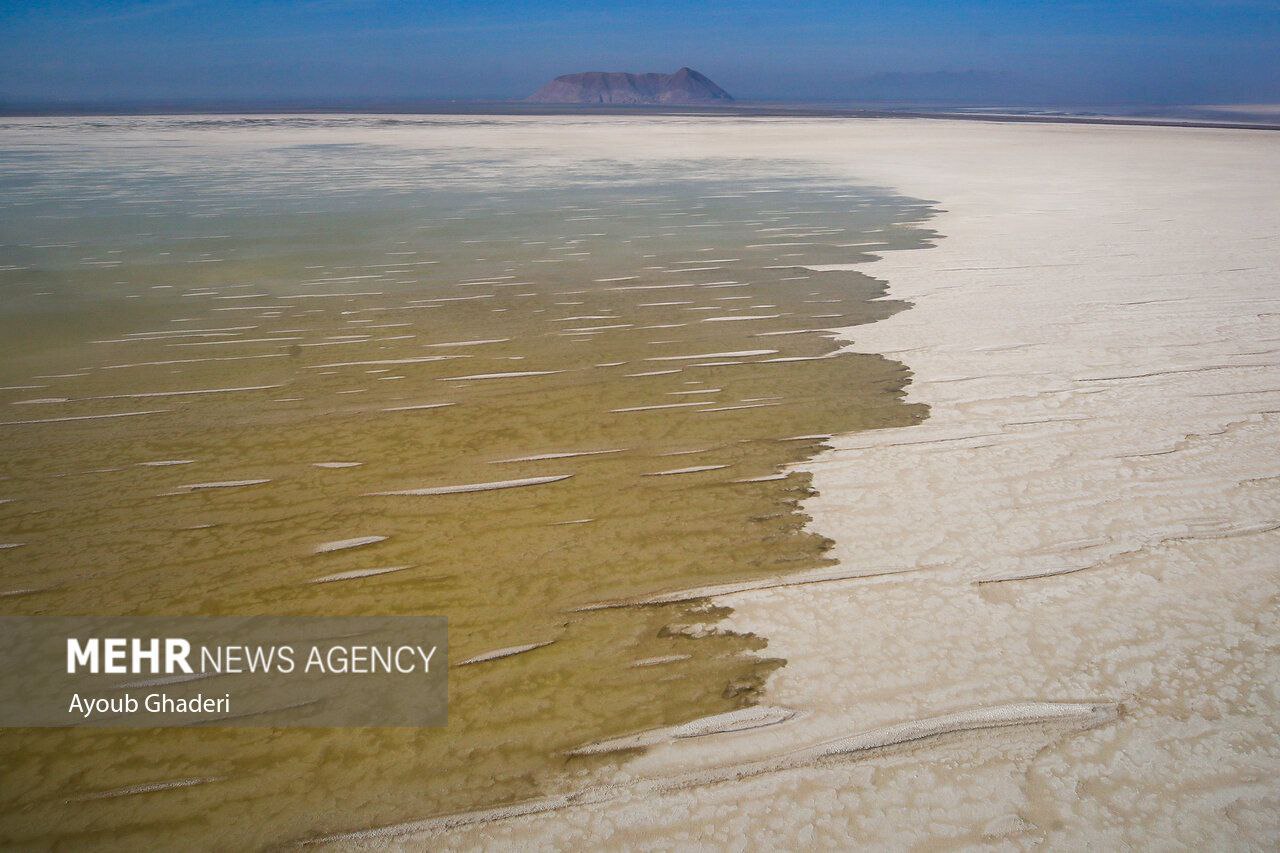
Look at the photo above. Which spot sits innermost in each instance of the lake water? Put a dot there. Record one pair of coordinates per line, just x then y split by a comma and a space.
220, 339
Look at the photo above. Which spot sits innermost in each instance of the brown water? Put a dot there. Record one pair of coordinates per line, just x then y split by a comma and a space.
323, 297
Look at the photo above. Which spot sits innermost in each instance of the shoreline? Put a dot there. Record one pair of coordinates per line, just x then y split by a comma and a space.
1096, 342
743, 110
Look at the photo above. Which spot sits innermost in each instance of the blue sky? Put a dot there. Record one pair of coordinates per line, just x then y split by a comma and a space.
1140, 51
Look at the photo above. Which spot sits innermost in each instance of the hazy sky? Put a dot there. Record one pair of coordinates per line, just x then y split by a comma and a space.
1165, 51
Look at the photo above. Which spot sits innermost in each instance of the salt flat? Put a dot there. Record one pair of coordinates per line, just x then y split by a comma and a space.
1098, 338
1052, 616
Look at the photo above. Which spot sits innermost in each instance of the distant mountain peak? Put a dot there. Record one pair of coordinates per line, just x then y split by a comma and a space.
685, 86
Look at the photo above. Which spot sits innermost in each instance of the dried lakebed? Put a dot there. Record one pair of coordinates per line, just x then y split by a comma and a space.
401, 381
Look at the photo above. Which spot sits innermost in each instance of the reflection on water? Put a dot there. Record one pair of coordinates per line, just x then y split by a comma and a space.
311, 379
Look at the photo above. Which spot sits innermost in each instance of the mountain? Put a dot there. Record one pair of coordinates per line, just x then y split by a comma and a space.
686, 86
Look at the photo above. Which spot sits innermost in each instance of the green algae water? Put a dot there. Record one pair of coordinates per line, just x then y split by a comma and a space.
523, 390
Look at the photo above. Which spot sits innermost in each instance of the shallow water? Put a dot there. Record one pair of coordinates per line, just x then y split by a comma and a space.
216, 372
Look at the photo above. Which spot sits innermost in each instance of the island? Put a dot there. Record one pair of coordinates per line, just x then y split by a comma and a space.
686, 86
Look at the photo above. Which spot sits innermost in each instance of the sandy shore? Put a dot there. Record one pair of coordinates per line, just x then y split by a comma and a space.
1070, 632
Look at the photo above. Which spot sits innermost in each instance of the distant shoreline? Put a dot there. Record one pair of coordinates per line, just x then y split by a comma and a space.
520, 108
